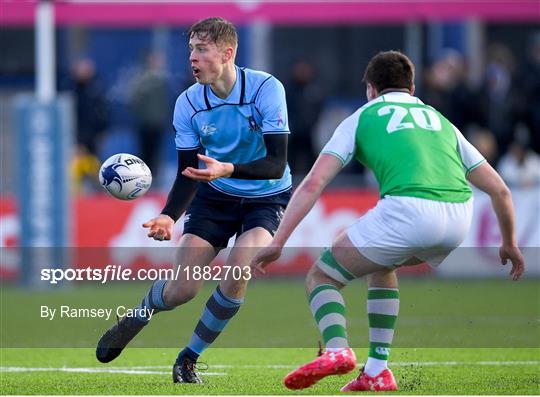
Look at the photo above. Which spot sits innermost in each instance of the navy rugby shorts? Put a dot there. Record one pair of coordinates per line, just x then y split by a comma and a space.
216, 217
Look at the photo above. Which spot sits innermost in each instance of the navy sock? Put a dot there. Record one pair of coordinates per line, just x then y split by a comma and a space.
152, 302
187, 352
217, 313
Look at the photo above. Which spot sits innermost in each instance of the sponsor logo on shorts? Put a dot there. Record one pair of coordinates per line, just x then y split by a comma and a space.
279, 214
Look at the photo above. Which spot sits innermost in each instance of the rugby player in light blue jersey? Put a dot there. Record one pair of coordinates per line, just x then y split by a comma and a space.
238, 117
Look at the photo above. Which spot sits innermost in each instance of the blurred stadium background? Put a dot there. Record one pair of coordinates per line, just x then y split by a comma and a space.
116, 70
119, 66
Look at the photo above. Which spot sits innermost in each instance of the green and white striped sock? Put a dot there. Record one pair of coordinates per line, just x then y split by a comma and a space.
328, 264
382, 309
328, 308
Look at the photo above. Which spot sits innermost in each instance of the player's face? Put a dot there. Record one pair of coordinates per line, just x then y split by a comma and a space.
207, 60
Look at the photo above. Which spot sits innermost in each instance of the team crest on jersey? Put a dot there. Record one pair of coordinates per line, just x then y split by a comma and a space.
253, 126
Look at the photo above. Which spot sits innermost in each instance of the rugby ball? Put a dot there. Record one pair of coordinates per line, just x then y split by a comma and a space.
125, 176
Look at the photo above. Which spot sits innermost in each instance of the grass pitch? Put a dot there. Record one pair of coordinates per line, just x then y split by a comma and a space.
260, 371
452, 337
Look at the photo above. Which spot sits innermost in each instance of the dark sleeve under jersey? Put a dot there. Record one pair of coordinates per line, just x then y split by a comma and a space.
271, 166
184, 188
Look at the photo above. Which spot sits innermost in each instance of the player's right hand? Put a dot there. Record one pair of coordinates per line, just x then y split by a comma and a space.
514, 255
161, 227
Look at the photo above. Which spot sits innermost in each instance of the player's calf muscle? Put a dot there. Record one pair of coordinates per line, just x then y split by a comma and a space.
175, 294
234, 288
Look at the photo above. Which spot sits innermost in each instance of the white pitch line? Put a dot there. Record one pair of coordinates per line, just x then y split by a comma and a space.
118, 370
454, 363
146, 368
397, 364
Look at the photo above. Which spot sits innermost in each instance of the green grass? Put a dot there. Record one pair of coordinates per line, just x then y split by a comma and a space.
453, 337
260, 371
433, 313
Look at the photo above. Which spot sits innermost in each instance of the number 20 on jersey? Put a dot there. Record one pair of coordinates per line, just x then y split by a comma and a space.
424, 118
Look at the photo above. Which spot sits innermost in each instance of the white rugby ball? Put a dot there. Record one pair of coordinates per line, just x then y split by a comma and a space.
125, 176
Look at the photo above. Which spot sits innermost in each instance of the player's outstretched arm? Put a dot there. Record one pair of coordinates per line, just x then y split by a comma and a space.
485, 178
181, 194
323, 171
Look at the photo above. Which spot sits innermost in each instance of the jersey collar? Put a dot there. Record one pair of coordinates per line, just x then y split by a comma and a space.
400, 97
240, 77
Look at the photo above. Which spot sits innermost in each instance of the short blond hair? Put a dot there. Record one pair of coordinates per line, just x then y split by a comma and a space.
217, 30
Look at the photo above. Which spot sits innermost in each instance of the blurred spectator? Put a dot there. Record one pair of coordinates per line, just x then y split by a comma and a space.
520, 167
304, 98
447, 90
332, 114
92, 107
484, 140
151, 108
500, 96
84, 170
92, 112
529, 85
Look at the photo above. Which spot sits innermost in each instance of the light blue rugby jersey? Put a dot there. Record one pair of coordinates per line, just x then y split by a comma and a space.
231, 130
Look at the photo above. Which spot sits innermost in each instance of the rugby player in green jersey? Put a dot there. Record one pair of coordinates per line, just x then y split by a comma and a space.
422, 164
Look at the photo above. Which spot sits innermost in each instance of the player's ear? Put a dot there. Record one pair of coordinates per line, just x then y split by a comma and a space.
412, 89
371, 92
228, 54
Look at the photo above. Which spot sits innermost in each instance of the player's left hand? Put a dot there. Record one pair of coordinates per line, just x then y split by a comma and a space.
264, 257
214, 169
514, 255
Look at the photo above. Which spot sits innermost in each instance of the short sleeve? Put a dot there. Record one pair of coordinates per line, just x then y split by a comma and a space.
343, 141
470, 156
272, 105
186, 136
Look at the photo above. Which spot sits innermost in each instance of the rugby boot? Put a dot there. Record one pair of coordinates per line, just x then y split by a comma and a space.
113, 341
385, 381
184, 371
328, 363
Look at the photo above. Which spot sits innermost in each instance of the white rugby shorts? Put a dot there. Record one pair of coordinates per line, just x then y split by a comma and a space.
399, 228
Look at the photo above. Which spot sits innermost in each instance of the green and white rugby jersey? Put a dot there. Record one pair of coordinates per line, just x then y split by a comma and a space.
412, 149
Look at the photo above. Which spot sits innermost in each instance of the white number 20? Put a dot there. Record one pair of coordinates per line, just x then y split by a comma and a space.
423, 117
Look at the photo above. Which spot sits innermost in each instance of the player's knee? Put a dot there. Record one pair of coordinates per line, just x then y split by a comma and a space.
385, 278
317, 276
313, 278
328, 270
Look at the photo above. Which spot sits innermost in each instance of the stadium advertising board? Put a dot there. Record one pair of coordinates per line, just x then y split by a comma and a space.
43, 145
128, 13
124, 242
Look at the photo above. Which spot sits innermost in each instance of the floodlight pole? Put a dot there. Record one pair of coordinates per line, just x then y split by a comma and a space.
45, 52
